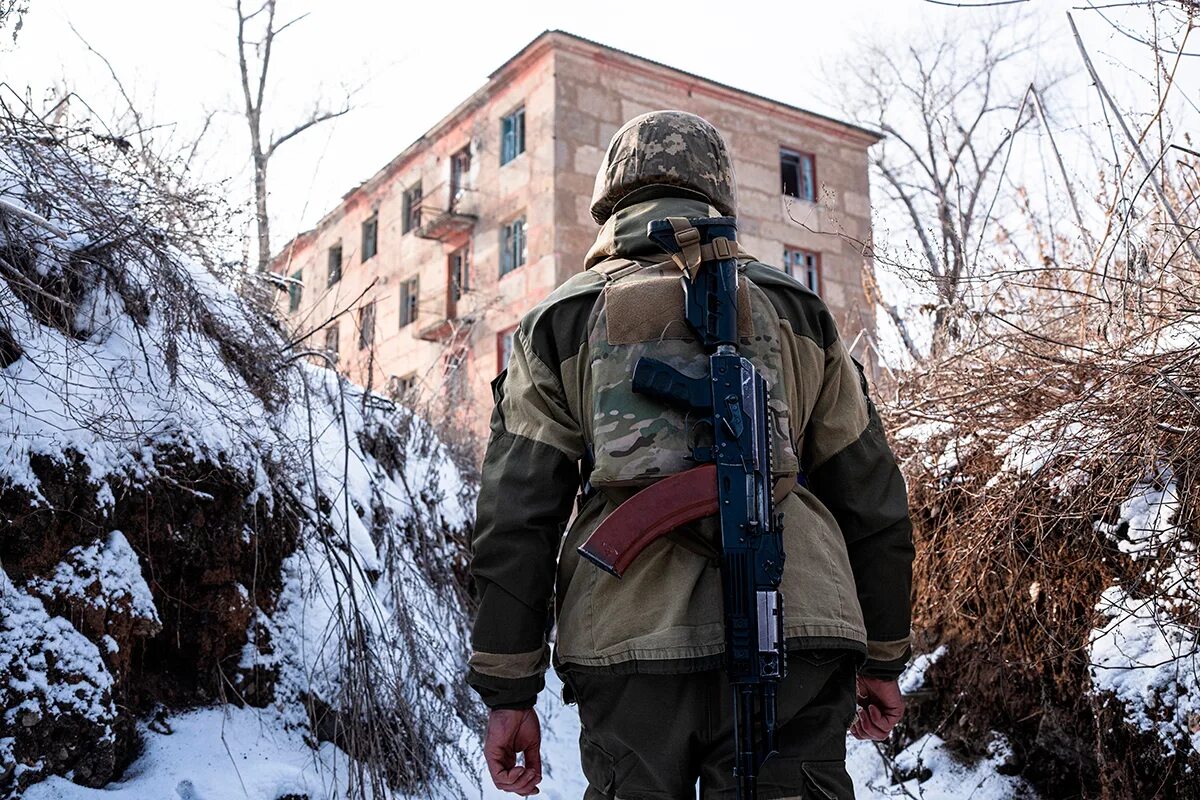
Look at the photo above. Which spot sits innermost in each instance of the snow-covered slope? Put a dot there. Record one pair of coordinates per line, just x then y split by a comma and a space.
192, 513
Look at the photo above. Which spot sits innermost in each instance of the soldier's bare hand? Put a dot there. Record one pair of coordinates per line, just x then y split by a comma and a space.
511, 732
880, 707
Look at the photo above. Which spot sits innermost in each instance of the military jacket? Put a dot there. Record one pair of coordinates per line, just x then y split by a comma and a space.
846, 528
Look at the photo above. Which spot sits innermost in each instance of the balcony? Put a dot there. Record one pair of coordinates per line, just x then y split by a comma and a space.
447, 212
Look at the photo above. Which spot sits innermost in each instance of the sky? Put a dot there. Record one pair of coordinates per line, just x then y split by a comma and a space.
409, 63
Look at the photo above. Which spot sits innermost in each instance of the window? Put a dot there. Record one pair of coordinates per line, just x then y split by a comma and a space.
512, 136
408, 302
335, 264
295, 290
403, 386
504, 346
460, 273
366, 326
412, 208
799, 174
460, 169
370, 236
804, 266
331, 341
512, 246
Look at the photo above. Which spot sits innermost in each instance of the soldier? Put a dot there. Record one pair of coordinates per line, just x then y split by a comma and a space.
641, 656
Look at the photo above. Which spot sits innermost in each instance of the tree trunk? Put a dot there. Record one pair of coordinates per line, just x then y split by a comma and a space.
260, 213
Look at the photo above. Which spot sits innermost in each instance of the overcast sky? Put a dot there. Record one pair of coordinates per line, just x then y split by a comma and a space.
420, 59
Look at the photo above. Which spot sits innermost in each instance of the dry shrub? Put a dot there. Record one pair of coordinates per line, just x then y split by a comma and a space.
1075, 389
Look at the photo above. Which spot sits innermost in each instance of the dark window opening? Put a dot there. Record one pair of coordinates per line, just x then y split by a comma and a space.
335, 264
366, 326
460, 273
799, 174
408, 301
512, 136
512, 246
412, 208
295, 290
370, 236
404, 386
804, 266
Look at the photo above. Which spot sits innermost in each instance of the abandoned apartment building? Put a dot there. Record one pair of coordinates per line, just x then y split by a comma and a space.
435, 257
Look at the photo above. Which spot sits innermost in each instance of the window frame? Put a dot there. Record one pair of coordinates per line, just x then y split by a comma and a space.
410, 301
296, 291
405, 385
507, 248
817, 270
411, 208
459, 175
517, 115
333, 332
335, 274
372, 223
801, 155
366, 336
459, 285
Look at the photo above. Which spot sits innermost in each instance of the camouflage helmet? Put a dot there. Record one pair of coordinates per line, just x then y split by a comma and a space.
665, 147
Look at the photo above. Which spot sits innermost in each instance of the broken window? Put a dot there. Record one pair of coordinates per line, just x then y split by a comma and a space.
799, 174
512, 136
403, 386
335, 264
295, 290
408, 301
366, 326
412, 208
331, 341
460, 170
804, 266
370, 236
460, 273
512, 246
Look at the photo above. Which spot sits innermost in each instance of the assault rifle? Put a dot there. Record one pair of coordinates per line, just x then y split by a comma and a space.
734, 482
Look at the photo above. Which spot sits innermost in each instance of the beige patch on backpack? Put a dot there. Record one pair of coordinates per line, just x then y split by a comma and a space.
649, 308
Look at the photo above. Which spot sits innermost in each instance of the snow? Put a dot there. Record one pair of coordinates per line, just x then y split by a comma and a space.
1145, 521
221, 753
105, 575
913, 677
945, 777
47, 668
1150, 663
128, 395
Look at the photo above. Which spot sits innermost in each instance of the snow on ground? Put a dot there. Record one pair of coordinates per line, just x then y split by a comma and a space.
221, 753
228, 753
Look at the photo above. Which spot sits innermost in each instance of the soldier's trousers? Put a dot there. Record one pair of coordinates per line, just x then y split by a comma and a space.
656, 736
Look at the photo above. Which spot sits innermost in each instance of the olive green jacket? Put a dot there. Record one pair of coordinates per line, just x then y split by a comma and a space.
847, 534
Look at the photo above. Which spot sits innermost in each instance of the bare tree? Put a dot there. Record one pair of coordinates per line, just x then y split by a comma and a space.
949, 107
12, 12
254, 60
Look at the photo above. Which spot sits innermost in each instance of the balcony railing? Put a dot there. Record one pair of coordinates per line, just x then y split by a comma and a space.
445, 212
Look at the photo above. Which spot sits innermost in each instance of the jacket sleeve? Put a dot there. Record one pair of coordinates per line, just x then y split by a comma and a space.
529, 481
850, 468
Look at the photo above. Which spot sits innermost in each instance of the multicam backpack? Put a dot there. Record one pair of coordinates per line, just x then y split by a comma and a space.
636, 439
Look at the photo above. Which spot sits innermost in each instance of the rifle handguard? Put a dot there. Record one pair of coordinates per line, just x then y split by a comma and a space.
649, 515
